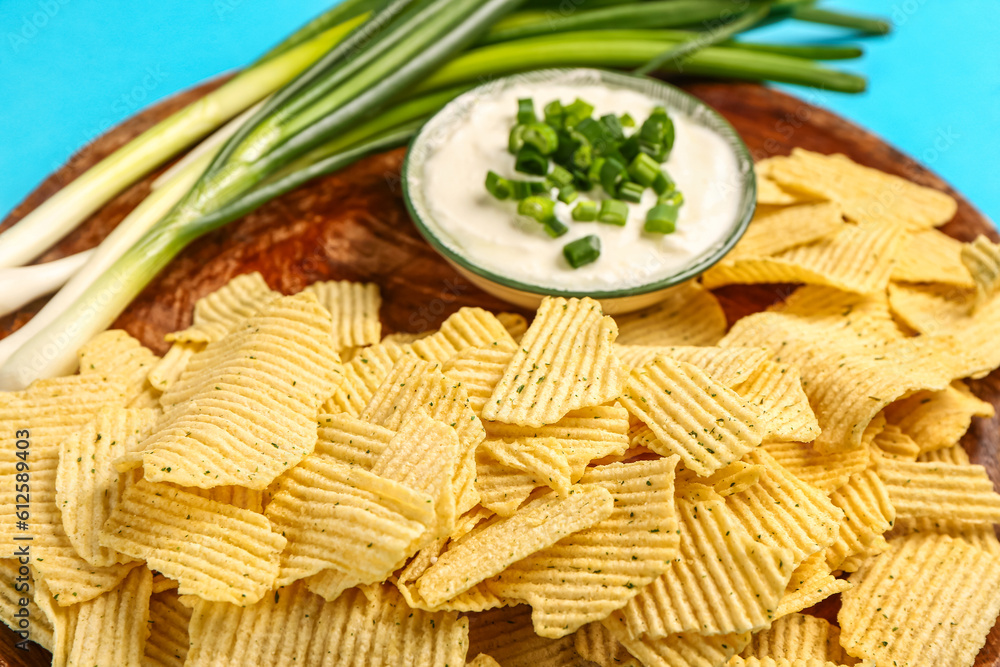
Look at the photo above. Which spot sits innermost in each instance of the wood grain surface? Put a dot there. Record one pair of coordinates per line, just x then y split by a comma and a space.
353, 225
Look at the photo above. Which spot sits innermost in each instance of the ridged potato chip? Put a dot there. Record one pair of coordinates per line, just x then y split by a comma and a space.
478, 598
930, 256
508, 637
940, 490
354, 308
690, 315
291, 626
244, 411
686, 650
892, 443
771, 194
115, 352
584, 435
565, 362
36, 624
482, 660
169, 368
705, 423
865, 194
501, 489
487, 551
734, 478
727, 365
543, 459
937, 419
220, 312
213, 550
723, 581
825, 471
776, 391
930, 600
167, 645
514, 323
854, 259
350, 440
362, 376
811, 583
954, 454
772, 232
88, 488
469, 327
595, 643
478, 370
982, 259
868, 514
797, 637
980, 535
585, 576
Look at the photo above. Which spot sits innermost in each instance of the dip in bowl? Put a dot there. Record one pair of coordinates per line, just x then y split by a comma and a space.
512, 256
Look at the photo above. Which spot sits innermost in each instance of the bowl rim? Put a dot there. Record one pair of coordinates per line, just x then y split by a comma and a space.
673, 98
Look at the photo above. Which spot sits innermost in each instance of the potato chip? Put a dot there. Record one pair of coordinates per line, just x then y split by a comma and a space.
482, 660
868, 513
362, 376
595, 643
705, 423
892, 443
478, 598
825, 471
88, 488
167, 645
478, 370
115, 352
734, 478
982, 259
17, 586
112, 628
542, 459
784, 512
244, 411
507, 636
487, 551
584, 435
502, 489
690, 315
168, 370
785, 662
855, 259
294, 627
515, 324
727, 365
723, 581
350, 440
770, 193
565, 362
937, 419
776, 391
213, 550
930, 256
929, 600
469, 327
354, 308
865, 194
811, 583
220, 312
955, 454
844, 318
940, 490
797, 637
587, 575
773, 232
686, 650
348, 519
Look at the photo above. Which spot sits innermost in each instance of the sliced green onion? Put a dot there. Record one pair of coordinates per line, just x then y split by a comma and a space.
613, 127
594, 172
530, 161
515, 141
863, 24
663, 184
661, 219
498, 186
524, 189
631, 192
582, 251
673, 198
613, 174
554, 114
555, 228
568, 194
526, 111
577, 111
581, 181
541, 137
629, 148
583, 156
613, 212
644, 169
658, 129
541, 209
626, 120
585, 211
593, 131
559, 177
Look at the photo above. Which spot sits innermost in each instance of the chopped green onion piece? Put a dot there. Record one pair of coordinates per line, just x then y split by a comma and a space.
554, 114
540, 208
613, 212
593, 131
569, 141
498, 186
663, 184
582, 251
554, 228
613, 127
581, 181
523, 189
658, 132
661, 219
613, 174
626, 120
530, 161
526, 111
541, 137
631, 192
577, 111
559, 177
583, 156
629, 148
585, 211
644, 169
516, 140
568, 194
658, 152
594, 173
673, 198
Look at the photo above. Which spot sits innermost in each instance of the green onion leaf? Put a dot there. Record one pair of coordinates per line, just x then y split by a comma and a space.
530, 161
568, 194
661, 219
582, 251
613, 174
576, 112
594, 132
585, 211
516, 140
538, 208
555, 228
644, 169
524, 189
554, 114
663, 184
629, 148
613, 212
526, 111
559, 177
631, 192
541, 137
498, 186
613, 127
626, 120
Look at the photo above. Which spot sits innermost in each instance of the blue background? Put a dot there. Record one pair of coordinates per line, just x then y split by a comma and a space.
70, 69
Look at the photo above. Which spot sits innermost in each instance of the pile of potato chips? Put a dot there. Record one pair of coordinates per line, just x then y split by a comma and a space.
288, 487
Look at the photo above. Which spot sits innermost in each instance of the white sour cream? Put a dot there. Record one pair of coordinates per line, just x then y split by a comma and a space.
490, 233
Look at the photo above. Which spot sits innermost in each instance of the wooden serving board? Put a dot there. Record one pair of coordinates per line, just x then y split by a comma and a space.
353, 225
